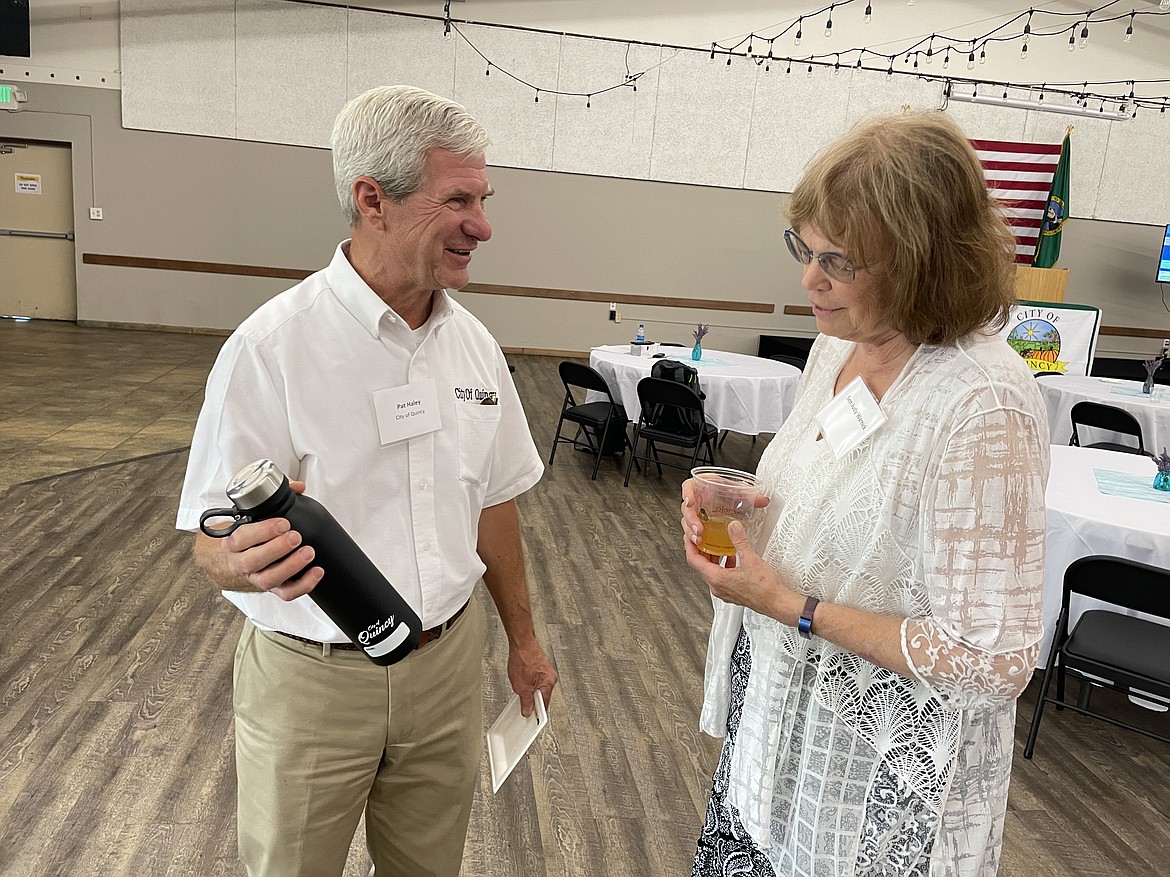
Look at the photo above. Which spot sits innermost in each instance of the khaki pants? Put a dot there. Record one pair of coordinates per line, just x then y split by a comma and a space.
320, 737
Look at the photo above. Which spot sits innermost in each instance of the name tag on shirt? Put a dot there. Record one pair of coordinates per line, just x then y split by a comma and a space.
852, 416
406, 412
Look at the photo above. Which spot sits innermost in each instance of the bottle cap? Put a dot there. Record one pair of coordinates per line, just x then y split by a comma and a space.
254, 484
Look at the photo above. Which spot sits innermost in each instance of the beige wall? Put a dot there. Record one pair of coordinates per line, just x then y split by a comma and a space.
180, 197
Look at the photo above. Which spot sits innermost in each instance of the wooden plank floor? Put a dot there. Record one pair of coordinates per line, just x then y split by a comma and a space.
115, 657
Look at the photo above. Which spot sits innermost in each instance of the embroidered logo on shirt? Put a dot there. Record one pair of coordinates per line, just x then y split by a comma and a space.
477, 395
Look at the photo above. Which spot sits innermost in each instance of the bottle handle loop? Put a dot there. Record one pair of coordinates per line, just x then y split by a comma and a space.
220, 532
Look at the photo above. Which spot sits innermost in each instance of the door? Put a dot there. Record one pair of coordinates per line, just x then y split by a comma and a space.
38, 271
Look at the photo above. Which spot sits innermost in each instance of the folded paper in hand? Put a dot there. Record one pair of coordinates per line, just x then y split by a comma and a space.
510, 736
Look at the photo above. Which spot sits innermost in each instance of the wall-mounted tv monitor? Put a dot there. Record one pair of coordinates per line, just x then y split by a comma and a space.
1164, 262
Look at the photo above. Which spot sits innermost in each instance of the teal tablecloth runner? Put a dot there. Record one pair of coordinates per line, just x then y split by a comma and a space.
1132, 486
1156, 396
705, 361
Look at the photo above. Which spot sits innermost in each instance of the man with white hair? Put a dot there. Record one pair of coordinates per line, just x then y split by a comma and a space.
321, 732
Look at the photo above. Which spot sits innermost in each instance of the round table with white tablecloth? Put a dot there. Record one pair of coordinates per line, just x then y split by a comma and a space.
745, 394
1152, 411
1083, 521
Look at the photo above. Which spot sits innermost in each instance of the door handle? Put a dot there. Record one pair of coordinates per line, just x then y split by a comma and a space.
25, 233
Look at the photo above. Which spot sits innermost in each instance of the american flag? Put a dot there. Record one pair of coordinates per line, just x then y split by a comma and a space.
1019, 176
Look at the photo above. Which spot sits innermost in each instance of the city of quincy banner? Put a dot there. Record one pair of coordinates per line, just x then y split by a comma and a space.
1054, 337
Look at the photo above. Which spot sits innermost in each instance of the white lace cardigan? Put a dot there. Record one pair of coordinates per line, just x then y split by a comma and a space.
937, 518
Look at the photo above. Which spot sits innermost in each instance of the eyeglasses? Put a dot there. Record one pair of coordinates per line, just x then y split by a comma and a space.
833, 264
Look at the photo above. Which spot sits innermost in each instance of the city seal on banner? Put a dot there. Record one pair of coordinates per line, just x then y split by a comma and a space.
1037, 340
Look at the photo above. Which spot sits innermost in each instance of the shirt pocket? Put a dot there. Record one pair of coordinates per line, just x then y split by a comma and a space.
478, 426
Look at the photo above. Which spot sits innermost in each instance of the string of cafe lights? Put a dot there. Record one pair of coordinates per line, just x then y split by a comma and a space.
915, 57
1022, 27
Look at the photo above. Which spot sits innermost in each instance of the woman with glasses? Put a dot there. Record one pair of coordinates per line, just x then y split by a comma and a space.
871, 639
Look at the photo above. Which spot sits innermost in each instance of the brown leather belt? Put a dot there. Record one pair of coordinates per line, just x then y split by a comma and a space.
427, 636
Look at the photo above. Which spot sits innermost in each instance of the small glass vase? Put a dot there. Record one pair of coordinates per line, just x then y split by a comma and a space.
1162, 481
1148, 386
697, 351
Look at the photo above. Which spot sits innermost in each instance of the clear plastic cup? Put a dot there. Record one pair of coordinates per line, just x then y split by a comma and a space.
723, 495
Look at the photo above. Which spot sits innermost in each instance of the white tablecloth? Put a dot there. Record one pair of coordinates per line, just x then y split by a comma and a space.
745, 394
1152, 412
1084, 521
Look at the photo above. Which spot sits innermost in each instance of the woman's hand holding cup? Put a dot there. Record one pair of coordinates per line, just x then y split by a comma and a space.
712, 498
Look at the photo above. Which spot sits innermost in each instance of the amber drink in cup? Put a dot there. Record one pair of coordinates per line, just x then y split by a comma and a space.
723, 495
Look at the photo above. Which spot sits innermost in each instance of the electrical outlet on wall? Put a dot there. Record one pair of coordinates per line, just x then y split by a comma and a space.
617, 317
95, 213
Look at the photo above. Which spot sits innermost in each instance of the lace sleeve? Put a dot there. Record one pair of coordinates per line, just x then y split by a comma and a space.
983, 527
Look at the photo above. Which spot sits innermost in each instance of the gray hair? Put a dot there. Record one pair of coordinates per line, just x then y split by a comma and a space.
386, 132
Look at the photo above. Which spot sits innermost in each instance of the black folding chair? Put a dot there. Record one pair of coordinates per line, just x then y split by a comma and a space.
1108, 417
672, 414
600, 421
791, 360
1107, 648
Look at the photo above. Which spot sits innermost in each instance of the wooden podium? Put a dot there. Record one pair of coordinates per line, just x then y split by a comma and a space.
1041, 284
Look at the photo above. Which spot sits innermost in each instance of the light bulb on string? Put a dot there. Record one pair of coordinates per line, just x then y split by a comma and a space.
536, 99
810, 71
799, 32
868, 12
947, 59
588, 101
1042, 92
858, 64
488, 72
915, 62
1129, 29
1072, 42
983, 55
1028, 27
1024, 52
729, 58
971, 61
829, 23
837, 66
1085, 35
788, 72
930, 51
712, 51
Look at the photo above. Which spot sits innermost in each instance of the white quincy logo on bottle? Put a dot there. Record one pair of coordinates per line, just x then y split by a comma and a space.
388, 644
374, 629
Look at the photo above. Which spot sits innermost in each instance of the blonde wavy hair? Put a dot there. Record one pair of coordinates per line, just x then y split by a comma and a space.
905, 197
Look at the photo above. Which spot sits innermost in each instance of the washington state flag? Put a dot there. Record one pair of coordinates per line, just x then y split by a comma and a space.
1055, 213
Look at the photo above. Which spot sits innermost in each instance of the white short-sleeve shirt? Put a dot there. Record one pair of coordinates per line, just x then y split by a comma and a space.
294, 384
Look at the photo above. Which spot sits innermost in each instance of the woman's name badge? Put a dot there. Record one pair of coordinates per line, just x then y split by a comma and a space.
852, 416
407, 411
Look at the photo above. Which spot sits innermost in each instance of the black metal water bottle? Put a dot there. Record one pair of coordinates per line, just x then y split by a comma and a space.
353, 592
